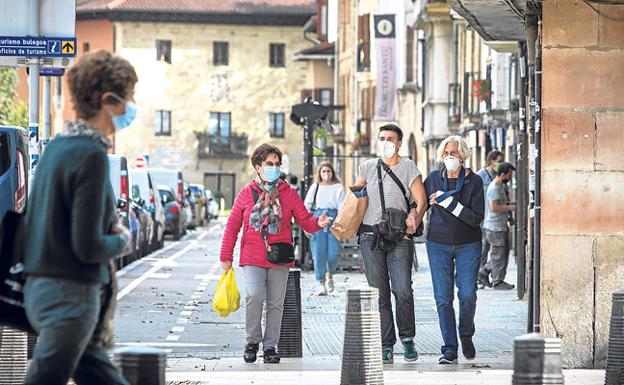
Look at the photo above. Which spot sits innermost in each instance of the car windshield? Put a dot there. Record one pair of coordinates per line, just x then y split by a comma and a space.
166, 196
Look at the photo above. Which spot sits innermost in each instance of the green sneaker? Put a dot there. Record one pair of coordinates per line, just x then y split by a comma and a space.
410, 354
387, 356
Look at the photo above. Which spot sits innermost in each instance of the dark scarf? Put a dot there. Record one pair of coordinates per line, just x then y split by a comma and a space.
267, 211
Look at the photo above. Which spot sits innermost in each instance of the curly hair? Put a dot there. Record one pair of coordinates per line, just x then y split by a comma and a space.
262, 151
94, 74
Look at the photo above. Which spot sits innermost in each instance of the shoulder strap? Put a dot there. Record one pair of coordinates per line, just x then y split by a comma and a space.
380, 184
313, 207
396, 180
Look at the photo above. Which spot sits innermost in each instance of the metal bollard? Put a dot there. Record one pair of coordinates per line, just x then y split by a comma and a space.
290, 341
361, 352
615, 352
537, 360
12, 356
141, 365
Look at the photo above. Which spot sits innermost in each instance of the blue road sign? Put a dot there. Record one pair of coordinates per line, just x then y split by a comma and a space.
27, 46
49, 71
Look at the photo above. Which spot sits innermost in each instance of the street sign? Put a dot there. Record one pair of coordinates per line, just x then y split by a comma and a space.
139, 162
46, 71
26, 46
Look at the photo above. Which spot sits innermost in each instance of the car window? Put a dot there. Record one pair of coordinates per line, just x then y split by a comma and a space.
5, 153
166, 196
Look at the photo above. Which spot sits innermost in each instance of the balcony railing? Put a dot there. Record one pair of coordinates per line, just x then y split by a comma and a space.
215, 146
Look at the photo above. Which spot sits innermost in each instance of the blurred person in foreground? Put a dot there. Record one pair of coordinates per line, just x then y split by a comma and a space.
264, 209
73, 233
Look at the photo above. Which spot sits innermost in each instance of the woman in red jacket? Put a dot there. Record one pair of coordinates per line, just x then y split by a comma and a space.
277, 203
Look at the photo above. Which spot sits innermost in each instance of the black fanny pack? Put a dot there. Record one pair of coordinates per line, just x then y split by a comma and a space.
392, 226
276, 253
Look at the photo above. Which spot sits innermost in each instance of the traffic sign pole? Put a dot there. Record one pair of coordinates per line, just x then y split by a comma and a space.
33, 82
47, 85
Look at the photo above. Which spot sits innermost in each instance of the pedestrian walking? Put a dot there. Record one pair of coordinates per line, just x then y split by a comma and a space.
73, 233
495, 225
325, 196
487, 175
264, 209
454, 244
396, 205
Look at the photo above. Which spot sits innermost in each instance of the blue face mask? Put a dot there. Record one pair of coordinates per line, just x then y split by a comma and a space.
271, 173
124, 120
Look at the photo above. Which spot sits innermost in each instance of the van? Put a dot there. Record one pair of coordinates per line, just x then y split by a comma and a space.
14, 165
143, 184
175, 180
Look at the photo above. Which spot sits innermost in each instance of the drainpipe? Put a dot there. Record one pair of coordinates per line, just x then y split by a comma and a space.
534, 133
522, 193
538, 175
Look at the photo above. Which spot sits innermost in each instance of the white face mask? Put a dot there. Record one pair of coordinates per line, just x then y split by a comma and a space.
388, 149
451, 163
326, 176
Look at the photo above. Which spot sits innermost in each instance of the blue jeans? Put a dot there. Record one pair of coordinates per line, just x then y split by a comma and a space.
390, 271
325, 248
448, 262
65, 314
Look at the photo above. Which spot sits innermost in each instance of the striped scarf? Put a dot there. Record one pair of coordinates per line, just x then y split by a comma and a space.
267, 211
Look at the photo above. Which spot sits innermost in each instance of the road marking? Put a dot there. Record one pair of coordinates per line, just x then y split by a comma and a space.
186, 312
190, 307
173, 338
166, 344
177, 329
182, 321
195, 296
132, 285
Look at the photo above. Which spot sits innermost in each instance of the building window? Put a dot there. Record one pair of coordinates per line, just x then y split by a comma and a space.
363, 48
277, 53
86, 47
163, 50
410, 55
220, 53
220, 124
162, 123
276, 124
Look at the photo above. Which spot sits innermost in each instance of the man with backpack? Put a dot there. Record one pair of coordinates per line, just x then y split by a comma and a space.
396, 205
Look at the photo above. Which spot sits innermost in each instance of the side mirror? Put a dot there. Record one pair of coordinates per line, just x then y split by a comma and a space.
121, 203
141, 202
136, 192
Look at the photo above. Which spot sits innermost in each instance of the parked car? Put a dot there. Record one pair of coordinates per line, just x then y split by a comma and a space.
120, 181
193, 214
14, 165
212, 206
174, 180
173, 212
199, 192
148, 192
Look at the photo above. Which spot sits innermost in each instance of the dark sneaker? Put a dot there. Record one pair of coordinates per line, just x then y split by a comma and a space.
448, 358
251, 351
504, 286
409, 351
271, 357
468, 348
387, 356
484, 280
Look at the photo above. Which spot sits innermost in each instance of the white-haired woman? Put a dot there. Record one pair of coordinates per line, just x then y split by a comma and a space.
454, 244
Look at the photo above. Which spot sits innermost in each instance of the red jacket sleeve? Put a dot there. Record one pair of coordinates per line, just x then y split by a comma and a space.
302, 215
232, 228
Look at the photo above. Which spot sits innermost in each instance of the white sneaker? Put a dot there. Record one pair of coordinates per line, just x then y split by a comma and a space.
322, 290
330, 285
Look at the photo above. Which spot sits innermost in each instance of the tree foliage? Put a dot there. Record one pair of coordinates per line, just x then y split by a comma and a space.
12, 111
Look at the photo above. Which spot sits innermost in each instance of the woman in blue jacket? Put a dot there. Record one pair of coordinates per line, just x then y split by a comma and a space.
454, 244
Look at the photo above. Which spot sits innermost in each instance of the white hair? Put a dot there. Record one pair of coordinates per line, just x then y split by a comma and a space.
463, 149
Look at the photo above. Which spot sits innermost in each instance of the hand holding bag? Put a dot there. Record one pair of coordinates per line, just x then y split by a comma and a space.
351, 214
227, 297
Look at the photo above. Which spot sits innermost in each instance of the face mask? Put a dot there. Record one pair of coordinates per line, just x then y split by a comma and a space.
451, 163
124, 120
388, 149
325, 177
271, 173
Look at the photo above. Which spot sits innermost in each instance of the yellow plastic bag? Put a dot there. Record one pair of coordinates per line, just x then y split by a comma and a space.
227, 298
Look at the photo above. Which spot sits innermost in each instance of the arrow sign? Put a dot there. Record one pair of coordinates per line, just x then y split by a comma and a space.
68, 47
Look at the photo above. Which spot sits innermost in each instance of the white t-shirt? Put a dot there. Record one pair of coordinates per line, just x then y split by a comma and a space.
328, 197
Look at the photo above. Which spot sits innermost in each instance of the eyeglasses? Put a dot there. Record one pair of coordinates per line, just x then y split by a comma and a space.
271, 164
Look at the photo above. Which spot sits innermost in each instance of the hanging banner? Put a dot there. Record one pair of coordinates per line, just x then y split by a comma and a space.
385, 56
